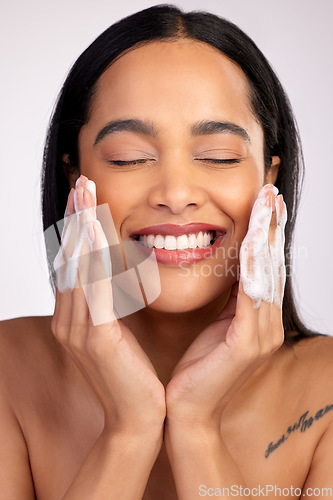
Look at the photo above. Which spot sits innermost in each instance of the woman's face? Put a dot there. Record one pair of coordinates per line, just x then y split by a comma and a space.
173, 87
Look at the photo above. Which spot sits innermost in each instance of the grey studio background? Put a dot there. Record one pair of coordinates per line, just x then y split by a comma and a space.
40, 40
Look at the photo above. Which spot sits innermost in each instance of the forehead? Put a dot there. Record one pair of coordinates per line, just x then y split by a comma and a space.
185, 80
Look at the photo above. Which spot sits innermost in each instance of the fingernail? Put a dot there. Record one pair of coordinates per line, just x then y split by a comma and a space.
271, 187
78, 181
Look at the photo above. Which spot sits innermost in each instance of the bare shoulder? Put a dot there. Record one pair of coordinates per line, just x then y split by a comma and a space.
21, 341
310, 374
316, 354
19, 326
315, 359
24, 344
18, 331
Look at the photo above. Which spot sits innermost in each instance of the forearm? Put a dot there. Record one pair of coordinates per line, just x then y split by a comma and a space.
200, 460
117, 466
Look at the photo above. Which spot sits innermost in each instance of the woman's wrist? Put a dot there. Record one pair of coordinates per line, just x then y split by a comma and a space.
138, 443
134, 432
190, 437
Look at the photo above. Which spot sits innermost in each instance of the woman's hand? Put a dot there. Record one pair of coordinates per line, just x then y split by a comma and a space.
104, 349
245, 334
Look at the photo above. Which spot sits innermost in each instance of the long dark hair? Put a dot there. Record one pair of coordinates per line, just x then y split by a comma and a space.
269, 103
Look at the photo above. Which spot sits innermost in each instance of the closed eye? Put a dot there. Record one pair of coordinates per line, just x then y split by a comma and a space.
131, 162
144, 160
216, 160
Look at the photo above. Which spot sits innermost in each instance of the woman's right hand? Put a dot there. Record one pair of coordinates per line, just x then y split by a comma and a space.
108, 354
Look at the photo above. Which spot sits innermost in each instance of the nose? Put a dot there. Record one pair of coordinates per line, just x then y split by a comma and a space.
176, 187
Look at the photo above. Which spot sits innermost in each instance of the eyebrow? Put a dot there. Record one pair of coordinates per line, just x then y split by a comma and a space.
148, 128
213, 127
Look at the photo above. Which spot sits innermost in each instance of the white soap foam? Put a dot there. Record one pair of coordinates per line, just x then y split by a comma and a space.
74, 256
75, 243
262, 265
277, 252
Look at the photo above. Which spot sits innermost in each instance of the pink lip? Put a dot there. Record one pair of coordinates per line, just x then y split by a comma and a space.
185, 257
178, 229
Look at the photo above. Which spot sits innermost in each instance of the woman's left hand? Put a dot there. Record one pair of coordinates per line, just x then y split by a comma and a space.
248, 330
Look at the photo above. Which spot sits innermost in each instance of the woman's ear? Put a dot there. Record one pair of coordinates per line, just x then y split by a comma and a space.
71, 171
272, 173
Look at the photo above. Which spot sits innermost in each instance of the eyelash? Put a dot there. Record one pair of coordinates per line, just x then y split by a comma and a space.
228, 161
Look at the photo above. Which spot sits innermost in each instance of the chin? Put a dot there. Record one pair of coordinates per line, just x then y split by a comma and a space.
188, 294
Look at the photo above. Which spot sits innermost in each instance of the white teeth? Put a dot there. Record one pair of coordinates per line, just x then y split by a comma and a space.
170, 242
158, 241
182, 242
192, 241
150, 240
206, 239
200, 240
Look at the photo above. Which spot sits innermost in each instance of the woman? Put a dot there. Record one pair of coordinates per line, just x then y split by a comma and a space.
177, 121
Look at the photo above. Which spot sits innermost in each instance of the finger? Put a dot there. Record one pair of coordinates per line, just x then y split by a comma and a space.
247, 312
65, 313
69, 212
88, 185
63, 256
81, 181
86, 205
265, 308
277, 329
86, 236
70, 232
273, 222
256, 270
98, 292
80, 311
70, 203
75, 232
77, 243
78, 199
80, 316
279, 270
255, 266
61, 321
259, 215
89, 200
265, 327
277, 251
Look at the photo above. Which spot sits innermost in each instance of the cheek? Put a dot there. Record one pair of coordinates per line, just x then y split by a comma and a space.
241, 215
235, 200
243, 207
108, 191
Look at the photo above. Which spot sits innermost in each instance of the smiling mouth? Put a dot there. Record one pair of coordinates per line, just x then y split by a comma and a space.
199, 239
